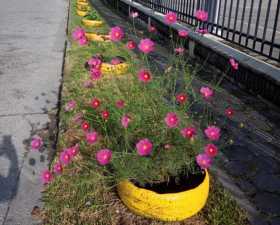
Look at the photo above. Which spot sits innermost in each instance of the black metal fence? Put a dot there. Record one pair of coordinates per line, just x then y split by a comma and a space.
253, 24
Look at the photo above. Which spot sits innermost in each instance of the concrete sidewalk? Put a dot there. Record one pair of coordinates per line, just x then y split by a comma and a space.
32, 39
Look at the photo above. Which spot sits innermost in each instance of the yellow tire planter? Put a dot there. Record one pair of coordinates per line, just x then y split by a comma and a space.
92, 23
82, 3
83, 7
165, 207
81, 13
107, 68
97, 37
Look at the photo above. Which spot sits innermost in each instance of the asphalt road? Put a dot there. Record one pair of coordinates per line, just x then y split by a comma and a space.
32, 37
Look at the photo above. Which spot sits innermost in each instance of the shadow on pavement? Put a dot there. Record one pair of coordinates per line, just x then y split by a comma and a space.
8, 183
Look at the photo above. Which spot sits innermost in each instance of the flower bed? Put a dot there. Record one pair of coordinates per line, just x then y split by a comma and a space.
133, 128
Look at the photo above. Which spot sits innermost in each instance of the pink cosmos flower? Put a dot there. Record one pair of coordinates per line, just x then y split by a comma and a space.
36, 143
64, 157
70, 105
83, 41
88, 84
120, 104
95, 74
146, 45
78, 33
212, 133
116, 61
144, 147
201, 15
167, 146
91, 137
202, 31
85, 126
170, 18
233, 63
229, 112
152, 29
144, 76
206, 92
181, 98
203, 160
95, 62
179, 51
134, 14
211, 150
46, 177
183, 33
188, 132
105, 114
116, 34
171, 120
78, 118
104, 156
131, 45
95, 103
57, 168
126, 119
73, 151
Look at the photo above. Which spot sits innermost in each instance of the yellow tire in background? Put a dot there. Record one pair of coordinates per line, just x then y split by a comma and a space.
97, 37
81, 13
83, 3
107, 68
83, 7
165, 207
92, 23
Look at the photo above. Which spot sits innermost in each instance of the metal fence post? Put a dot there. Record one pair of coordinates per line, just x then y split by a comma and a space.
212, 8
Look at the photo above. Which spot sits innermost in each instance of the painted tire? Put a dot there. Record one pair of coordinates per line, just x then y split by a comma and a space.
81, 13
97, 37
107, 68
82, 3
92, 23
83, 7
165, 207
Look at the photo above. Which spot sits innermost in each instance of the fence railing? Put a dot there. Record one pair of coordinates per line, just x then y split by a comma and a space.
252, 24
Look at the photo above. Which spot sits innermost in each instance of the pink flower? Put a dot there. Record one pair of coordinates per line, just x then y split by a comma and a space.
229, 112
36, 143
78, 118
170, 18
105, 114
212, 133
95, 74
57, 168
203, 160
120, 104
73, 151
179, 50
104, 156
144, 147
233, 63
183, 33
88, 84
171, 120
131, 45
144, 76
201, 15
70, 105
116, 34
126, 119
91, 137
78, 33
202, 31
46, 177
134, 14
181, 98
211, 150
152, 29
85, 126
188, 132
95, 62
146, 45
206, 92
83, 41
95, 103
116, 61
64, 157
